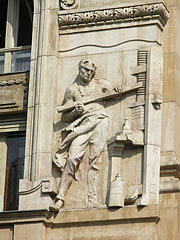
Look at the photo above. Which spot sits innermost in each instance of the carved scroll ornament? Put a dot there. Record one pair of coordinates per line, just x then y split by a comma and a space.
68, 4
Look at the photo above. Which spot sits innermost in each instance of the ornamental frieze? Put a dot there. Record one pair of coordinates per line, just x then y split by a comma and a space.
14, 79
140, 12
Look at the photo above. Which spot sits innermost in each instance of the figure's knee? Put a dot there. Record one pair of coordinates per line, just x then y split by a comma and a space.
72, 166
94, 163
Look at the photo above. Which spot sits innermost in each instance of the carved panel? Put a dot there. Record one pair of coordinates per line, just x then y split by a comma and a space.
13, 92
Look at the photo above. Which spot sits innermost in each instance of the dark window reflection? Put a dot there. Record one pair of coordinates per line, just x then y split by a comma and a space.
25, 23
15, 170
3, 15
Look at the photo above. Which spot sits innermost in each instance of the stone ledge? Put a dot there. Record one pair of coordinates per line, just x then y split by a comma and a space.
83, 216
17, 216
171, 186
125, 214
171, 169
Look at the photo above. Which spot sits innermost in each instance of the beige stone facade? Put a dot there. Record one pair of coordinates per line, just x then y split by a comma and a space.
134, 45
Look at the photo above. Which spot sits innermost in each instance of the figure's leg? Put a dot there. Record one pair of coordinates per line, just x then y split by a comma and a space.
97, 145
71, 167
75, 155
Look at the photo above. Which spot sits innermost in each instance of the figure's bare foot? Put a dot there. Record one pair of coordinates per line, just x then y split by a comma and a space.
55, 207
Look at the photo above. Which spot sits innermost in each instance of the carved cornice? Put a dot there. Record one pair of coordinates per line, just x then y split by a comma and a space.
14, 79
113, 15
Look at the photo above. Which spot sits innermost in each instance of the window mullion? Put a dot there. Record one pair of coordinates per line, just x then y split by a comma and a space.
3, 159
7, 62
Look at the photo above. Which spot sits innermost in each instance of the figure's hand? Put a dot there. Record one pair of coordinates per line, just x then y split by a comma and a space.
118, 89
79, 107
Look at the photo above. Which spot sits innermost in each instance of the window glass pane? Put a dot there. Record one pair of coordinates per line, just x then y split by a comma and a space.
15, 170
21, 61
25, 23
1, 63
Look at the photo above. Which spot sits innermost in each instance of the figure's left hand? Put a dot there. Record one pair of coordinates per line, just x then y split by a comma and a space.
118, 89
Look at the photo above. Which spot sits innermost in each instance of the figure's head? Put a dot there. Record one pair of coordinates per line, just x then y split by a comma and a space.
86, 70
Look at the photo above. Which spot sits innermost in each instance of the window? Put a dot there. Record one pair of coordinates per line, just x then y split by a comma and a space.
16, 17
14, 169
15, 35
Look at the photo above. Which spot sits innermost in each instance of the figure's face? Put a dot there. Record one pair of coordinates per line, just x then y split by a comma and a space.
86, 74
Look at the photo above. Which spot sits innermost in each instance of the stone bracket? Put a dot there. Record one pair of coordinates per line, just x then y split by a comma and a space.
135, 138
157, 101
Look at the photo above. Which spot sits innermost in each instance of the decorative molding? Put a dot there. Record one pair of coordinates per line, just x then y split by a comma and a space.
25, 216
170, 170
19, 80
109, 46
169, 186
113, 15
47, 185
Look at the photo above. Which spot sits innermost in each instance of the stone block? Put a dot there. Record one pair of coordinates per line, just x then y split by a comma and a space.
50, 33
170, 127
6, 233
171, 78
177, 130
171, 35
168, 110
151, 178
168, 227
35, 231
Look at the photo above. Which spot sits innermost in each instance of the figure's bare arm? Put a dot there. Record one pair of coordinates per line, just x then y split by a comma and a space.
71, 115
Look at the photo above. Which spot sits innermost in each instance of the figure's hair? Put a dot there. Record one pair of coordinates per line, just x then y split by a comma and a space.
88, 64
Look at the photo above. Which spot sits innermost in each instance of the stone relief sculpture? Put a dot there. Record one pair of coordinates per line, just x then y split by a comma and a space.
88, 127
84, 110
